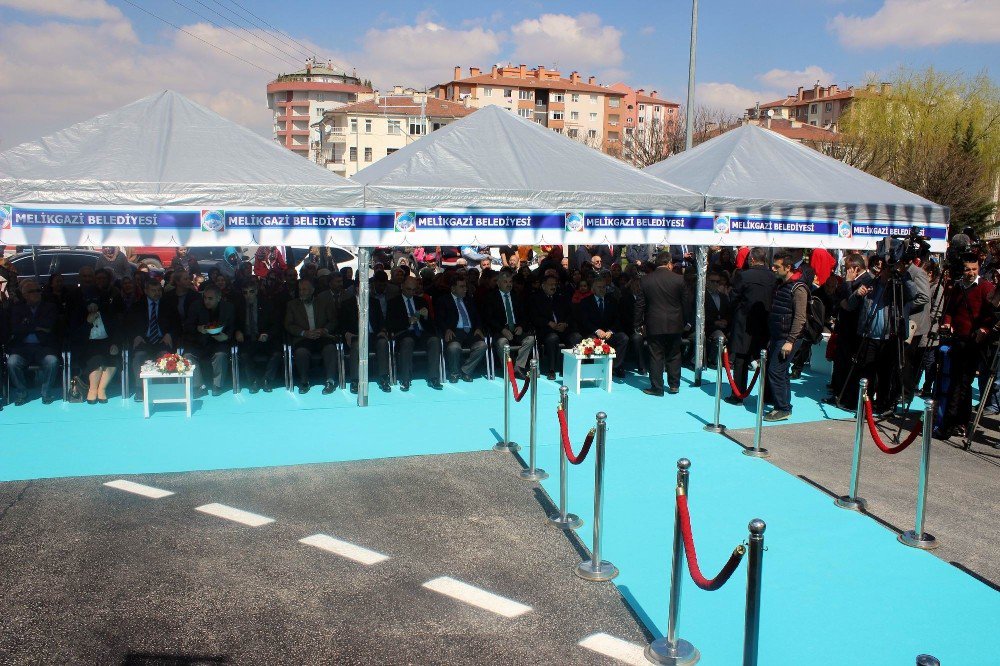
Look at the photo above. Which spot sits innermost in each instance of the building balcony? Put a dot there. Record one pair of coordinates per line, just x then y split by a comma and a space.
298, 132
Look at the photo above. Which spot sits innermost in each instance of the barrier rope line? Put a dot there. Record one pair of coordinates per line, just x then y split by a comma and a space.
740, 394
564, 437
710, 584
876, 436
513, 382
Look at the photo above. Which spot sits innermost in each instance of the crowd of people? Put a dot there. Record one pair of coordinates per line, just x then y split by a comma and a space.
885, 321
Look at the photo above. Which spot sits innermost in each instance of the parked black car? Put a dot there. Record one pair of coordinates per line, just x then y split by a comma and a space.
53, 260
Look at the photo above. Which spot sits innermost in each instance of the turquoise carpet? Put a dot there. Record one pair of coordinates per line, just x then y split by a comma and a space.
838, 588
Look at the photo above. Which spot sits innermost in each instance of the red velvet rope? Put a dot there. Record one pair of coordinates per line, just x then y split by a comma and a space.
513, 382
873, 429
732, 382
692, 557
564, 436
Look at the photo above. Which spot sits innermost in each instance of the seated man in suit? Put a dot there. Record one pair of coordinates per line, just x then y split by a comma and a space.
458, 323
378, 340
599, 319
202, 347
629, 288
410, 323
258, 334
33, 340
507, 321
552, 318
311, 322
718, 314
152, 328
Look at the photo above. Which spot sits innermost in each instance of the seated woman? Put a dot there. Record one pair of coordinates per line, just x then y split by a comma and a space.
96, 342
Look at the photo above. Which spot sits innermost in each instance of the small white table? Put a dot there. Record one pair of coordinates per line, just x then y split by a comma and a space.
160, 388
575, 371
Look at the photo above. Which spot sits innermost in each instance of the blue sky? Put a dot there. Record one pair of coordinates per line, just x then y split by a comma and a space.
64, 60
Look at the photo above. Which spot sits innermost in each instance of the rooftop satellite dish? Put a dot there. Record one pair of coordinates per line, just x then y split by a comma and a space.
770, 113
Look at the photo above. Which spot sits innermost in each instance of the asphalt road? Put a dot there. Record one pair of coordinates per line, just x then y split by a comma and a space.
96, 575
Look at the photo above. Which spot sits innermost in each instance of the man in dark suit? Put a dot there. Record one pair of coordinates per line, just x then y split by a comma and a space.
410, 323
630, 287
718, 313
33, 340
458, 323
552, 317
659, 310
507, 320
258, 334
152, 328
181, 296
202, 347
378, 340
751, 303
599, 319
311, 323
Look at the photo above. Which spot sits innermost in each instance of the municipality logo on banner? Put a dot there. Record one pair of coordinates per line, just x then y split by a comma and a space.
721, 224
406, 222
213, 220
844, 229
6, 217
575, 222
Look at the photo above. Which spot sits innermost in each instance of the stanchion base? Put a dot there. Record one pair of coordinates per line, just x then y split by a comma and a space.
716, 428
507, 446
661, 651
572, 521
923, 541
537, 475
605, 571
856, 504
757, 453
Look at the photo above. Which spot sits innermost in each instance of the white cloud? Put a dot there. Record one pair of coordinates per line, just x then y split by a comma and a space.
790, 80
731, 97
423, 54
73, 9
579, 42
920, 23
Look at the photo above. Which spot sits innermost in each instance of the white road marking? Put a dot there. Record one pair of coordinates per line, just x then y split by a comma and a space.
138, 489
235, 515
344, 549
475, 596
616, 648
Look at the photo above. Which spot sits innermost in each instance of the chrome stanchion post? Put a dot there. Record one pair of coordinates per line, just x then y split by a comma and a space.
595, 568
670, 649
506, 444
715, 426
566, 521
755, 568
917, 537
533, 473
757, 451
851, 500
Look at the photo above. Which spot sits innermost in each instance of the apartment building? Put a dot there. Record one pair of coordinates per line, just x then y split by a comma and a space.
300, 99
356, 135
582, 110
819, 107
644, 113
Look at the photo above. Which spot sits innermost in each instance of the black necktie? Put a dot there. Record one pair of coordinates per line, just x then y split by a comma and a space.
153, 332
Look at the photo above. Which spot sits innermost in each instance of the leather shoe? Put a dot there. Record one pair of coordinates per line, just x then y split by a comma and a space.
437, 386
384, 385
329, 388
673, 390
453, 379
138, 396
653, 392
733, 400
404, 386
103, 401
796, 373
551, 376
266, 387
466, 377
91, 402
216, 391
304, 389
48, 399
21, 400
354, 388
254, 387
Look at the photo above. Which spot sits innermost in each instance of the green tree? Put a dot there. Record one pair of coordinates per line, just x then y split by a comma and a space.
934, 133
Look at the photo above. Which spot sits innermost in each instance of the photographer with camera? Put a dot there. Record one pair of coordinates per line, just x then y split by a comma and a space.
969, 317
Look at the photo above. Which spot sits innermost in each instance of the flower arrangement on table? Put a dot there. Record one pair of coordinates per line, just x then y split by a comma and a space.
169, 364
593, 347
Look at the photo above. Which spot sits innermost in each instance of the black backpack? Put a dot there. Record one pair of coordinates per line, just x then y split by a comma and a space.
815, 320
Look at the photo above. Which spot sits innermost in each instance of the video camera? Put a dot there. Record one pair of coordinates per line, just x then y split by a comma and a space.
898, 250
961, 246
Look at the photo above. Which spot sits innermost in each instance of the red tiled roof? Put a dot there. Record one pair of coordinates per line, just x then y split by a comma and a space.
514, 82
406, 106
794, 101
646, 99
803, 132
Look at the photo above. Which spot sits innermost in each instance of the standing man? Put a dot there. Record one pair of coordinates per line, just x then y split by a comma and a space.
659, 312
787, 322
718, 312
507, 321
751, 296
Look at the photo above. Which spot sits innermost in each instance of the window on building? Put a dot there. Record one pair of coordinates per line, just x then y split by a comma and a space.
525, 113
354, 154
574, 97
614, 102
593, 116
354, 125
557, 97
524, 94
487, 92
592, 134
829, 106
558, 115
320, 97
573, 133
508, 92
368, 126
368, 154
813, 123
320, 111
593, 99
670, 111
390, 151
657, 109
813, 108
642, 119
612, 136
394, 127
642, 107
416, 126
574, 115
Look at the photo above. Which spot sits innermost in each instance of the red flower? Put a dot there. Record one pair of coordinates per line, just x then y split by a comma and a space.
171, 365
588, 351
606, 349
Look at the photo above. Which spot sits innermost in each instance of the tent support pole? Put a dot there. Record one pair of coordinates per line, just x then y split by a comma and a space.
364, 259
701, 258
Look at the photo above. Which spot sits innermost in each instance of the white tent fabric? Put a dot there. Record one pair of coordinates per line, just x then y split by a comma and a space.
165, 150
494, 159
754, 171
